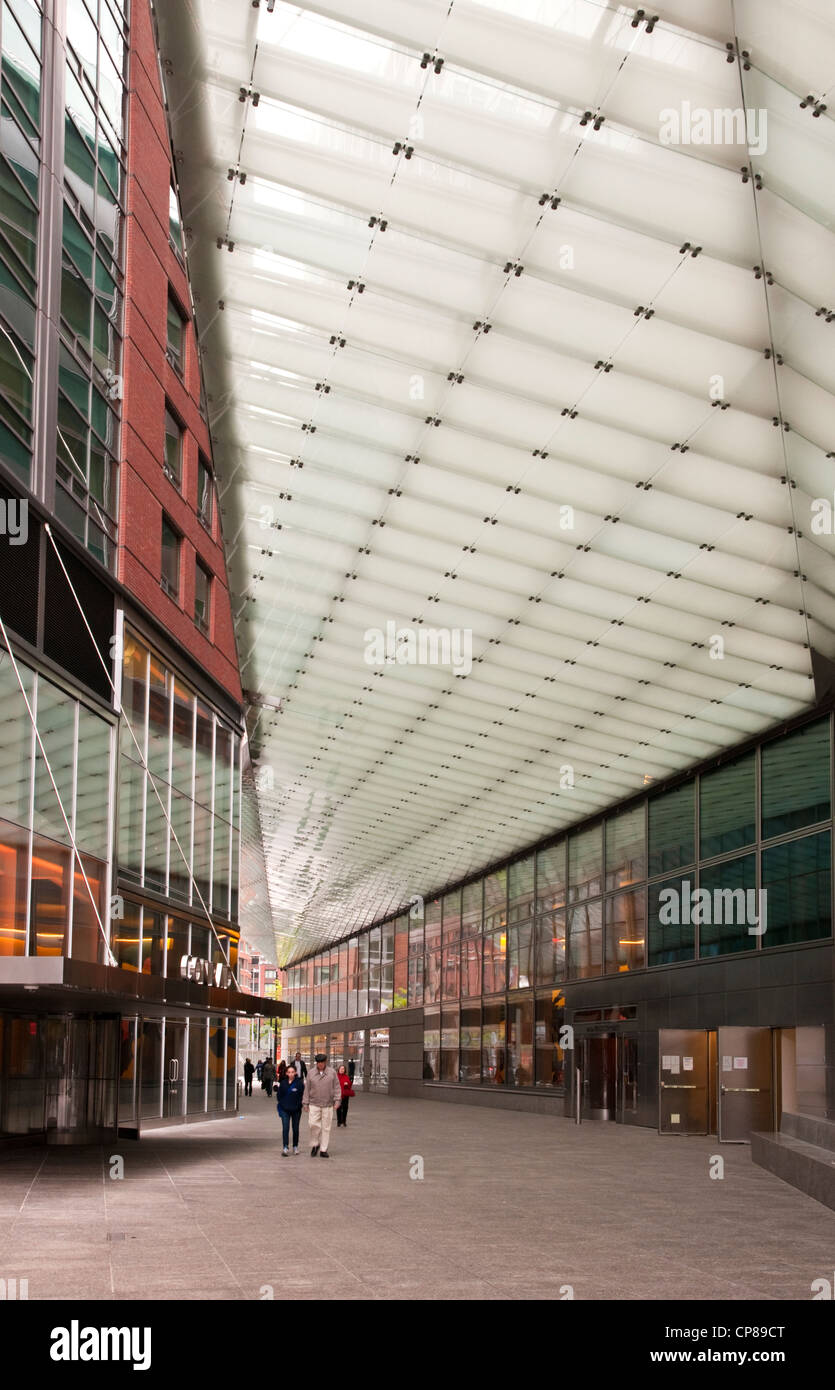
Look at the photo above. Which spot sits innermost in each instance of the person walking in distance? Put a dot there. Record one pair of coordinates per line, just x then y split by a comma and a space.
301, 1069
322, 1097
249, 1072
268, 1076
347, 1091
290, 1095
282, 1071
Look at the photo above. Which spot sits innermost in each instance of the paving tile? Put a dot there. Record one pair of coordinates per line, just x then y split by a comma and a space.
512, 1207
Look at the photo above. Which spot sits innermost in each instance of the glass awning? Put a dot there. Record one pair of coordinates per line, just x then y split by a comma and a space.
516, 320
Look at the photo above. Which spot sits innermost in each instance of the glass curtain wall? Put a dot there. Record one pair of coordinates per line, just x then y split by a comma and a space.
21, 26
709, 868
194, 767
89, 382
52, 897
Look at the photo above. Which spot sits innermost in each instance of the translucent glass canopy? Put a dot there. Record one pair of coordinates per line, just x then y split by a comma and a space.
517, 326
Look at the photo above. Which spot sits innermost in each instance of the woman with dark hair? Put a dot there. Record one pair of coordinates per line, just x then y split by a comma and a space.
282, 1071
290, 1095
347, 1091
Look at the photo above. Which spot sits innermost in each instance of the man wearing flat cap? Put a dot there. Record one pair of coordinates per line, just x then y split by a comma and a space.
322, 1096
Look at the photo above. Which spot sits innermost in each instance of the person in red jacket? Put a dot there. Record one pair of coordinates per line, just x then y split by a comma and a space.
347, 1091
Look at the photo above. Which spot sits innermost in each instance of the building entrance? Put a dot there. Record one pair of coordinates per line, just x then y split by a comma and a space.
745, 1083
683, 1081
597, 1059
606, 1069
715, 1082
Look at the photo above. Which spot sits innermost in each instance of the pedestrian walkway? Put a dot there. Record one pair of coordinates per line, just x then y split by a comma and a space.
510, 1206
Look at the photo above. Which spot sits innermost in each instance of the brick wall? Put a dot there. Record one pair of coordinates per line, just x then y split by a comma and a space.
151, 267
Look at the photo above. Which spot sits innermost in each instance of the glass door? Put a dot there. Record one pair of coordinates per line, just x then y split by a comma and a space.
627, 1079
379, 1078
598, 1063
174, 1068
745, 1083
683, 1090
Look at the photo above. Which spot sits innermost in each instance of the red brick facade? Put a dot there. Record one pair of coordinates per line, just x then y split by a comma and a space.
152, 269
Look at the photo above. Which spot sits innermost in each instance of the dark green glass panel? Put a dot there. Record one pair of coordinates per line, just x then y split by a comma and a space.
795, 780
796, 879
671, 829
15, 453
76, 304
730, 914
671, 933
76, 244
727, 800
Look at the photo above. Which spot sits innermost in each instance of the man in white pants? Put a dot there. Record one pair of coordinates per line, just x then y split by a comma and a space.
322, 1095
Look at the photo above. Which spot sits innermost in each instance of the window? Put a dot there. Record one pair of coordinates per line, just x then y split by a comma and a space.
727, 913
726, 807
585, 860
795, 780
175, 337
205, 492
175, 226
202, 597
173, 461
626, 850
795, 902
170, 577
671, 830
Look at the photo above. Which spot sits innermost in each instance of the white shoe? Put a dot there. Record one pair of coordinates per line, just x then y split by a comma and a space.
284, 1153
295, 1151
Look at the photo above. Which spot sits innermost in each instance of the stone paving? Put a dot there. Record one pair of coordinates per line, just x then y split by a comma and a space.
510, 1206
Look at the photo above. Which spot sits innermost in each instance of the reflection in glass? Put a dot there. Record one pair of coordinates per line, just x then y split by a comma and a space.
494, 962
796, 879
14, 876
431, 1044
550, 1056
520, 957
550, 948
520, 1042
625, 932
469, 1067
151, 1089
626, 847
727, 807
493, 1057
49, 898
216, 1091
495, 900
520, 890
585, 864
87, 939
16, 741
56, 726
670, 929
449, 1045
585, 940
795, 779
671, 829
725, 917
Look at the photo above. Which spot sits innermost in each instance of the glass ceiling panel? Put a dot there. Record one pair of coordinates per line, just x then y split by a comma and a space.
442, 403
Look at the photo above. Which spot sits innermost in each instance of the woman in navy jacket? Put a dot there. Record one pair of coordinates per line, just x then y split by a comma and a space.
290, 1093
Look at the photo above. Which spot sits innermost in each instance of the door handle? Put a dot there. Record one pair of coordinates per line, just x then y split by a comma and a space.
667, 1086
740, 1090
